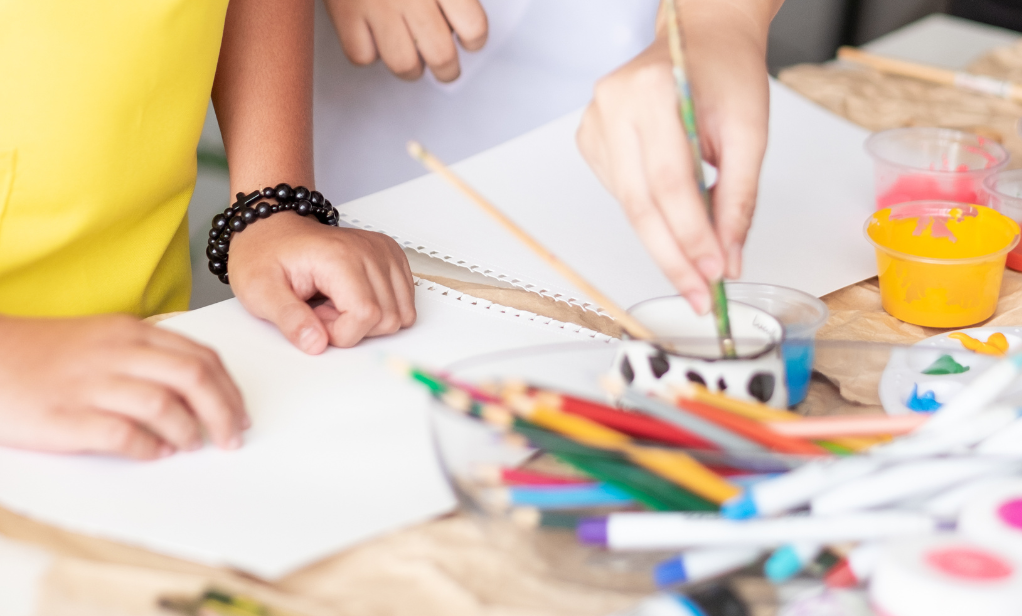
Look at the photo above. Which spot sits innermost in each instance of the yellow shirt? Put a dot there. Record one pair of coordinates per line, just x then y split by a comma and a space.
101, 108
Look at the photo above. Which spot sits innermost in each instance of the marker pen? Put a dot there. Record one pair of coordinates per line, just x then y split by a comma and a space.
702, 564
788, 560
796, 488
854, 569
1006, 442
677, 531
948, 505
948, 439
903, 481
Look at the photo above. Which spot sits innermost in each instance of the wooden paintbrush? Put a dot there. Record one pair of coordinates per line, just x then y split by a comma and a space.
628, 322
688, 119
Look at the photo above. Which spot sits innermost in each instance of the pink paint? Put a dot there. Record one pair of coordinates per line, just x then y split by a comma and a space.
1011, 513
969, 563
919, 187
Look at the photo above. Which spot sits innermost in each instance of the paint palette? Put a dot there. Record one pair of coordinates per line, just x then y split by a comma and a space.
938, 368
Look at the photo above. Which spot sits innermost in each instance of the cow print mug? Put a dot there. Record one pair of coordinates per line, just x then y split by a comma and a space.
687, 350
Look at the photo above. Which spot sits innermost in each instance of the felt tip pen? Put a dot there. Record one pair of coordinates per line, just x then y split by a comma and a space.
678, 531
1006, 442
903, 481
977, 395
923, 442
703, 564
789, 560
555, 497
796, 488
948, 505
854, 569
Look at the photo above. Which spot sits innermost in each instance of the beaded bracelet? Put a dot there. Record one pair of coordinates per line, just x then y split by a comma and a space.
248, 209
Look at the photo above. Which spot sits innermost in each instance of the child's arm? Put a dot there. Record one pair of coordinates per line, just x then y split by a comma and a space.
405, 32
632, 137
263, 100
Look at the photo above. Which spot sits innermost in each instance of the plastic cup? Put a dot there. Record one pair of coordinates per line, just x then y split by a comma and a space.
916, 164
1004, 194
801, 315
940, 263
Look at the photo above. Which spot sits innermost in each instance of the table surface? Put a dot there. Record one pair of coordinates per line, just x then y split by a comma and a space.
937, 39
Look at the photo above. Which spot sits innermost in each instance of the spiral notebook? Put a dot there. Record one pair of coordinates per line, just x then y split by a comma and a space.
340, 448
815, 194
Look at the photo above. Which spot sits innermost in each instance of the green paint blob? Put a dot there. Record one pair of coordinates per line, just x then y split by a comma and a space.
945, 364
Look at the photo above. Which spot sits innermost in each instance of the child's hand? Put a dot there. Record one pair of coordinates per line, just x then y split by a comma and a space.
406, 32
276, 265
633, 138
112, 385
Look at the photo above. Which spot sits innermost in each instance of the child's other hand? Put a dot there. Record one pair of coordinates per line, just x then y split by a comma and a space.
632, 137
278, 264
112, 385
405, 32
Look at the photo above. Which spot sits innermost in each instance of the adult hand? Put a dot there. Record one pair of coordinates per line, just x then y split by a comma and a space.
404, 33
278, 264
112, 385
633, 138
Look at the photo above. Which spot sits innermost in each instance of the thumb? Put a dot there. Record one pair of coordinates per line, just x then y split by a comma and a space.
274, 300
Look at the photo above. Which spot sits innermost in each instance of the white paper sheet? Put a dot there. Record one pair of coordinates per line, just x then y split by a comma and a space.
815, 194
340, 448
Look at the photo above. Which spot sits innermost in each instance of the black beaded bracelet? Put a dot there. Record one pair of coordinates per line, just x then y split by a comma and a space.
249, 208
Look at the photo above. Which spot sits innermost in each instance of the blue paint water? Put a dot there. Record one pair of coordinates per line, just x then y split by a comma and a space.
922, 403
798, 368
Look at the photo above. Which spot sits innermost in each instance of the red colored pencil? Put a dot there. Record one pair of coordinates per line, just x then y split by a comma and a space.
632, 424
752, 430
519, 477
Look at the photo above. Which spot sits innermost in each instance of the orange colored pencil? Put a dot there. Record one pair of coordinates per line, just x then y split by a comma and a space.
751, 429
848, 425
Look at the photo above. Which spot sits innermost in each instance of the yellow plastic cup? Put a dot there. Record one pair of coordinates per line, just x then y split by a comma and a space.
940, 263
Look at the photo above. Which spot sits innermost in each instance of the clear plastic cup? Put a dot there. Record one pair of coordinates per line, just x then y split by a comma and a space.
920, 163
801, 315
1004, 194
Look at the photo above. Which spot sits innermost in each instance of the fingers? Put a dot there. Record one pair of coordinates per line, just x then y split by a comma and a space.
404, 293
396, 46
101, 433
735, 197
192, 381
271, 297
354, 297
432, 36
169, 340
157, 408
468, 19
356, 38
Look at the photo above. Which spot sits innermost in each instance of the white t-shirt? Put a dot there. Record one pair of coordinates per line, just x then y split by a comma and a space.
542, 60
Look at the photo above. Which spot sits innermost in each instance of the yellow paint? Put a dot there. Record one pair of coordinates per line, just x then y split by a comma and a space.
996, 344
959, 281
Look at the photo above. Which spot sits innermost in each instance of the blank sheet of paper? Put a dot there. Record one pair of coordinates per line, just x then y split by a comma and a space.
340, 449
815, 194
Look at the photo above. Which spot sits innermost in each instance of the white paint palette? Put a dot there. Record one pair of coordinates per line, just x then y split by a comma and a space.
906, 369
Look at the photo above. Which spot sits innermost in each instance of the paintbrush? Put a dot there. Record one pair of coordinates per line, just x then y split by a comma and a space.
630, 324
687, 111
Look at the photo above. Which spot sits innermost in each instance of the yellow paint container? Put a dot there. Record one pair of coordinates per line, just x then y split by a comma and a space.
940, 263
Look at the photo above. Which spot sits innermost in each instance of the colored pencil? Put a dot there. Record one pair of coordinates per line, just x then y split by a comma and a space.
933, 74
531, 517
848, 425
633, 424
614, 468
495, 476
628, 322
752, 430
556, 497
686, 110
674, 465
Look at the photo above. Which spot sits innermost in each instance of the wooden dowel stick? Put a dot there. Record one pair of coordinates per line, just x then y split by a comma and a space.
933, 74
628, 322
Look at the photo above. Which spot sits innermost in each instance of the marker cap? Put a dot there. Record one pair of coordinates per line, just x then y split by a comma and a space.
995, 516
784, 564
741, 507
670, 572
592, 531
841, 576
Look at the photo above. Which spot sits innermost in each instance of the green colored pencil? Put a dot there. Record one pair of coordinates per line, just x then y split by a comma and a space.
688, 118
613, 468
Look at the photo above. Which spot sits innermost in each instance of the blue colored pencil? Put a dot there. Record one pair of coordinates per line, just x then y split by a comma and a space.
560, 497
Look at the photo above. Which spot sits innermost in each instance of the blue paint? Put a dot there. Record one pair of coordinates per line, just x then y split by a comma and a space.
798, 368
925, 403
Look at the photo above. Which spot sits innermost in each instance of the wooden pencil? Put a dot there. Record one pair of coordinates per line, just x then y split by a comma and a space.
752, 430
956, 79
849, 425
630, 324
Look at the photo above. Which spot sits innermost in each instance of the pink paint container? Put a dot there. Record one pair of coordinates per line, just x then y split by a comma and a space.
914, 164
1004, 194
